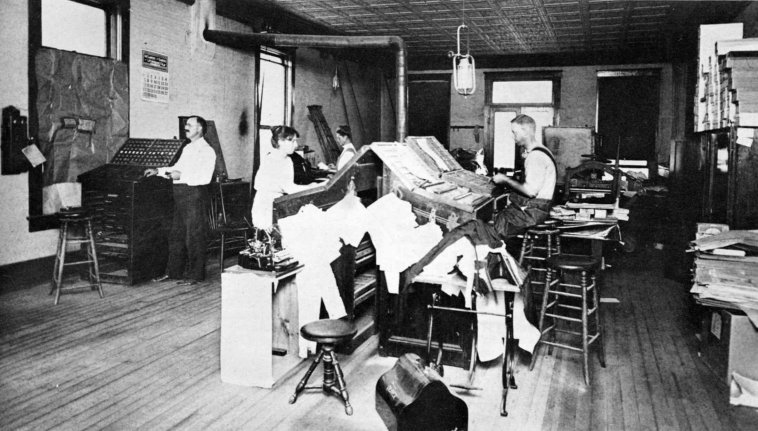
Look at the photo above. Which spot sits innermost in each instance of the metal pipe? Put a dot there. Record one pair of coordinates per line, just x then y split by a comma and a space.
247, 40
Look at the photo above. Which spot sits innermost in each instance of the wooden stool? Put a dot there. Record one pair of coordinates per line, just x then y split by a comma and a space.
328, 334
70, 218
540, 243
559, 289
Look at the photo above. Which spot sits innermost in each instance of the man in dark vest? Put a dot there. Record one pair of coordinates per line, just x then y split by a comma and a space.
529, 203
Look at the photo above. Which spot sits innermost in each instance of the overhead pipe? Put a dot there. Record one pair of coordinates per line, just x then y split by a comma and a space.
246, 40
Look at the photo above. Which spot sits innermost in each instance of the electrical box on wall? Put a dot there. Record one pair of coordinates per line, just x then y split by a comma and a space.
14, 139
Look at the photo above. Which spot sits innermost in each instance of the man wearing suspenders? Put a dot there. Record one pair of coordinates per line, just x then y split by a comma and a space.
530, 202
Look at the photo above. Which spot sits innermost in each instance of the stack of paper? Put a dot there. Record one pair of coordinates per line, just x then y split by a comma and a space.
726, 271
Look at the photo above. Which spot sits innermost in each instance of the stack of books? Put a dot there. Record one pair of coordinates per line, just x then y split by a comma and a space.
589, 212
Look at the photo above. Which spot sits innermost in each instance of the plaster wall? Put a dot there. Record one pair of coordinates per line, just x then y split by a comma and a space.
578, 104
18, 244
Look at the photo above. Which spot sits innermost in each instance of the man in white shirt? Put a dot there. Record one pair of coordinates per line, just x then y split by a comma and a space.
530, 204
191, 175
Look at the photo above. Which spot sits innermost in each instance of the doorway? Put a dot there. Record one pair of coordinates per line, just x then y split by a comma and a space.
429, 106
627, 114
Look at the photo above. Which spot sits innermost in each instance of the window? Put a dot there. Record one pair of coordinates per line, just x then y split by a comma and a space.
72, 26
509, 95
274, 94
85, 27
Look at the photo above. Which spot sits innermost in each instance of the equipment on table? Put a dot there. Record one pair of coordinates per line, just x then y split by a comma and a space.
264, 253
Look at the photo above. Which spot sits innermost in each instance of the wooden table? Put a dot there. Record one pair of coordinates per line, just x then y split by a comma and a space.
598, 232
259, 326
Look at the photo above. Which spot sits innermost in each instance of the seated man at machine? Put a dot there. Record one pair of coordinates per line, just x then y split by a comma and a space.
530, 203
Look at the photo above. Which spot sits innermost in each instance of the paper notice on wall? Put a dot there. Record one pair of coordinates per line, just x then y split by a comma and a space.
34, 155
155, 78
745, 136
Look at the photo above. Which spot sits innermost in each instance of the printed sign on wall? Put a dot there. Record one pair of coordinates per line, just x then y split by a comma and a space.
154, 77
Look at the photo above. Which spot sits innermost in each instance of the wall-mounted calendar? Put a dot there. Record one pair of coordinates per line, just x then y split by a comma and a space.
155, 82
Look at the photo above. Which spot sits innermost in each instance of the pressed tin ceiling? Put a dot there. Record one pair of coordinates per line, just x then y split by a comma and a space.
497, 27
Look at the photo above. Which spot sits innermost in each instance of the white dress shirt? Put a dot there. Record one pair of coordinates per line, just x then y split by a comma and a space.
348, 152
196, 164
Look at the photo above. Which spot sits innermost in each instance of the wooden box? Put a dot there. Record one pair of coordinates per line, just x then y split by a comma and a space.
730, 345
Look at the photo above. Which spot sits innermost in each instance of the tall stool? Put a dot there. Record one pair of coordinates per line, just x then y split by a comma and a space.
539, 244
69, 219
556, 305
328, 334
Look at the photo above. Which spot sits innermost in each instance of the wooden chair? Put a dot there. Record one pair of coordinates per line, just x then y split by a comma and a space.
226, 231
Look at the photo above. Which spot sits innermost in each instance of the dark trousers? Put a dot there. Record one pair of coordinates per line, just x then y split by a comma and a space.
188, 239
512, 220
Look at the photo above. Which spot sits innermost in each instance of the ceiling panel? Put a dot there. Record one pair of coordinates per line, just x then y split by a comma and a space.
497, 27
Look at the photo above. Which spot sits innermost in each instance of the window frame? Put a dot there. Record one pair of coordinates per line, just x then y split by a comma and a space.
288, 61
117, 48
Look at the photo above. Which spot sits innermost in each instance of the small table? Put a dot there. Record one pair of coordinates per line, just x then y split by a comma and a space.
259, 326
597, 232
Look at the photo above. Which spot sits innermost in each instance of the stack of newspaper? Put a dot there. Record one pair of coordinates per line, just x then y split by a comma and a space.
726, 271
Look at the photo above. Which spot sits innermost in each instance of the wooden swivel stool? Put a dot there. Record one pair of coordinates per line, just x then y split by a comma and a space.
559, 291
328, 334
70, 218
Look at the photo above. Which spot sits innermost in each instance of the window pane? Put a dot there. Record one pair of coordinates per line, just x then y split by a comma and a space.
273, 92
265, 137
504, 147
74, 26
543, 117
522, 92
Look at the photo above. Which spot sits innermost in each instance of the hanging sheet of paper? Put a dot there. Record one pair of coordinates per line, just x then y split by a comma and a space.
745, 136
34, 155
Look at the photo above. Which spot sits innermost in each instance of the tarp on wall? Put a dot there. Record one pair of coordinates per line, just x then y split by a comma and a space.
79, 87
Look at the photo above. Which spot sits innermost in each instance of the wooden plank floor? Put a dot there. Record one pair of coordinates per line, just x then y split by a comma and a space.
147, 357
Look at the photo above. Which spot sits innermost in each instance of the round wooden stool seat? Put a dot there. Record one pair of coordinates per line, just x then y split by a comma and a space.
328, 331
73, 214
573, 262
75, 228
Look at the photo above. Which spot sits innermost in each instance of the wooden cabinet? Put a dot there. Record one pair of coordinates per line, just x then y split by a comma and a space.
730, 176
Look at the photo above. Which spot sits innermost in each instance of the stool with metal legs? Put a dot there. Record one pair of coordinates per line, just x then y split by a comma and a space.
509, 343
69, 219
328, 334
559, 290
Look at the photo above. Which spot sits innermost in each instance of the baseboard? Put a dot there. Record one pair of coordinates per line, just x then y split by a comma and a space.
23, 275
